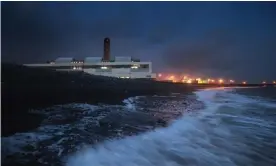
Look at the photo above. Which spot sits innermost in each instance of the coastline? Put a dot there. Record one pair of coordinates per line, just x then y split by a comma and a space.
78, 114
25, 89
80, 124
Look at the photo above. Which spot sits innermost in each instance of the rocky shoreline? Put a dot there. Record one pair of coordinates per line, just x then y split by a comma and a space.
26, 88
68, 128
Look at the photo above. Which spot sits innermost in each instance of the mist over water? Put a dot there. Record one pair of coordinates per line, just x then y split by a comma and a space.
232, 129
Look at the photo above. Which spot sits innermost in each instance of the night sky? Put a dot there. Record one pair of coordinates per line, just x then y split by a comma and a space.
219, 39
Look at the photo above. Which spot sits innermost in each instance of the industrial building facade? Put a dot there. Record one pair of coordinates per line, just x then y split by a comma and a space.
121, 67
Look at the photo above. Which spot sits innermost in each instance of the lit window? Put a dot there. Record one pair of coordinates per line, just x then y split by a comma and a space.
103, 67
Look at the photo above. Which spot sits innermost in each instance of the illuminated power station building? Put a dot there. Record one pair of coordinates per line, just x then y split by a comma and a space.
122, 67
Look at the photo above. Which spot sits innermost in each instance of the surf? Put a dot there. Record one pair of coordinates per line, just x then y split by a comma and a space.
199, 138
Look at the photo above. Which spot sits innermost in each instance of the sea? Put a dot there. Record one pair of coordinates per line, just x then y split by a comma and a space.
211, 127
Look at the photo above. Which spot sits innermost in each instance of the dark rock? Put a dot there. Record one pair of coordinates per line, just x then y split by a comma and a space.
29, 148
28, 88
162, 122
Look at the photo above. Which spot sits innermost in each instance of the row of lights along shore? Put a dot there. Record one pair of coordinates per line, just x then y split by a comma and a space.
105, 67
189, 80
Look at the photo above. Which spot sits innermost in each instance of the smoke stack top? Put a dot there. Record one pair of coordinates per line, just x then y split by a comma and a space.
106, 56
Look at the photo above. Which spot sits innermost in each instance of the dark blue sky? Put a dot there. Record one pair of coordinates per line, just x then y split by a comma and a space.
220, 39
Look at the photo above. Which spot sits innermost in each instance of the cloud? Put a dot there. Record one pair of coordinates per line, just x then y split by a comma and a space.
33, 32
214, 40
209, 51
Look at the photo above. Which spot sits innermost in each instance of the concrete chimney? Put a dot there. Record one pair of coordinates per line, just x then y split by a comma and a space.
106, 56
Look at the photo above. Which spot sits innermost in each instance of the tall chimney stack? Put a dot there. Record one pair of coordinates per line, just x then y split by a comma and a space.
106, 56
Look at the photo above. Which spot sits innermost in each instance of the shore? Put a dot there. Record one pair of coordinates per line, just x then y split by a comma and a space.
24, 89
48, 115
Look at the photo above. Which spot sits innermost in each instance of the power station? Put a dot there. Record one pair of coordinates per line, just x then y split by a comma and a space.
121, 67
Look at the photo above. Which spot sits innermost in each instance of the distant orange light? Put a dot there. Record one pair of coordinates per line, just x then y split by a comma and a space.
160, 75
274, 82
189, 81
220, 81
171, 78
244, 82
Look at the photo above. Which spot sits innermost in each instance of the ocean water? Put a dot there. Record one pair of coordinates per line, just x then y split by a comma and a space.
219, 126
232, 129
69, 128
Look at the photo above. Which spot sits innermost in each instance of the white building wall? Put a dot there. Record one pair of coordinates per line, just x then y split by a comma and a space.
112, 72
121, 70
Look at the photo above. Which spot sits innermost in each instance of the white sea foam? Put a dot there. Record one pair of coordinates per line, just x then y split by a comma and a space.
130, 103
195, 139
212, 136
15, 143
174, 145
55, 126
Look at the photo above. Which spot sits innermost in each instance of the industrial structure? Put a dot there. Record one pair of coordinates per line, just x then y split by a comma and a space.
106, 56
121, 67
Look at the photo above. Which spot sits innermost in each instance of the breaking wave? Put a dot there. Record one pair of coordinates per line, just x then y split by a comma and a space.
231, 130
69, 128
